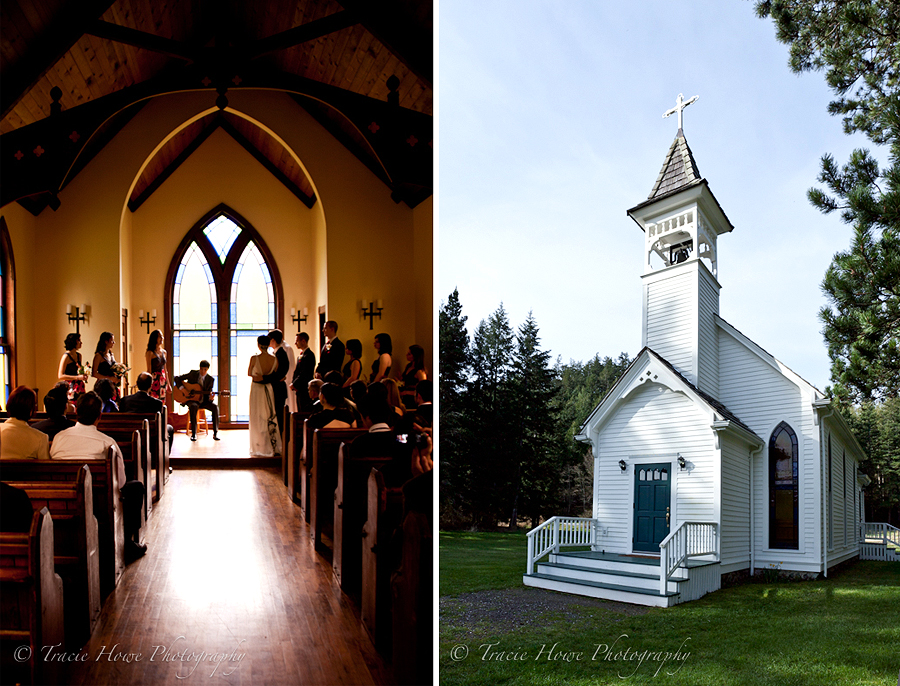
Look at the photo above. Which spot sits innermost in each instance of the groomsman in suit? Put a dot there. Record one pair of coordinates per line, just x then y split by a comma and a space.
276, 378
143, 402
332, 356
206, 381
303, 372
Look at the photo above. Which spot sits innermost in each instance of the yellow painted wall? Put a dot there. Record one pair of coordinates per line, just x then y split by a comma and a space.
355, 243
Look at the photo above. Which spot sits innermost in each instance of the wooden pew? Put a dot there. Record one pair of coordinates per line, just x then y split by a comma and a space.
155, 439
135, 457
31, 595
322, 463
107, 504
411, 589
350, 512
294, 432
385, 509
285, 439
76, 549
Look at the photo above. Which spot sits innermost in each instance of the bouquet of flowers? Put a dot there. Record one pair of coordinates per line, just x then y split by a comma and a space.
84, 369
120, 370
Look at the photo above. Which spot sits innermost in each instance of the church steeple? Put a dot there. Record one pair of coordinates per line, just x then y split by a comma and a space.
682, 220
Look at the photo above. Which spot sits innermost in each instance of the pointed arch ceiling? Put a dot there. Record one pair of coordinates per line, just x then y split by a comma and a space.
73, 72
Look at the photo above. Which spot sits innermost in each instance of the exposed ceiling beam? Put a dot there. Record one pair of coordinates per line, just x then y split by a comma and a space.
386, 20
66, 28
301, 34
140, 39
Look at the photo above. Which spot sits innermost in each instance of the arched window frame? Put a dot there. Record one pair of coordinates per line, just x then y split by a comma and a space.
222, 277
8, 325
774, 542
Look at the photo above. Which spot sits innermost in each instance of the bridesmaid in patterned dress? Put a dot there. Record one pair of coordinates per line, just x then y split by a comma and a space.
156, 366
69, 366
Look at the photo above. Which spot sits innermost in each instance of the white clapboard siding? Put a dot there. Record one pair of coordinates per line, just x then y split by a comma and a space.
671, 318
762, 397
735, 528
654, 425
708, 334
844, 512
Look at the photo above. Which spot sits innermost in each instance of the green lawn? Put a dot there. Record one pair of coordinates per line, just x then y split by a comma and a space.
842, 630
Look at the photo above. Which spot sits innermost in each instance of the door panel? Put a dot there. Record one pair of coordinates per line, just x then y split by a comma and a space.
652, 491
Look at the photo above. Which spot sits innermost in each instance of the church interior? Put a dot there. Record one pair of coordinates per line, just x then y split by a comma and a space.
212, 170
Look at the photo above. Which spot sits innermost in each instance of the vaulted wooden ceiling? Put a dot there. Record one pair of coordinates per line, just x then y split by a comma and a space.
73, 72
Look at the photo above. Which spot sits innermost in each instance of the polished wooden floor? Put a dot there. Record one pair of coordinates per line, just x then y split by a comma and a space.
230, 589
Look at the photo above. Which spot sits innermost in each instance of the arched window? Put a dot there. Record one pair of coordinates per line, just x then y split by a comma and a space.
223, 292
7, 316
783, 490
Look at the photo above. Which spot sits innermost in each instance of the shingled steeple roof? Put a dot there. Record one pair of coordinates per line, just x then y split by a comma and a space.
679, 169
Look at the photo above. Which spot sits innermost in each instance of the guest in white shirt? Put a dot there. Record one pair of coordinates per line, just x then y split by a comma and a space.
84, 440
17, 439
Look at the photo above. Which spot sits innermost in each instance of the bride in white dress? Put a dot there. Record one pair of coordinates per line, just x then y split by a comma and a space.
265, 441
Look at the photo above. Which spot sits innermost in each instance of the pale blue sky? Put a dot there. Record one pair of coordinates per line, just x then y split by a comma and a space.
550, 128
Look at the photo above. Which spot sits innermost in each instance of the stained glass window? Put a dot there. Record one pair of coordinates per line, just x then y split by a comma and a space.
223, 291
222, 232
252, 314
194, 314
783, 488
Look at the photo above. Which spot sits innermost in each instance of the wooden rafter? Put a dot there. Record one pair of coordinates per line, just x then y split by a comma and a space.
62, 33
141, 39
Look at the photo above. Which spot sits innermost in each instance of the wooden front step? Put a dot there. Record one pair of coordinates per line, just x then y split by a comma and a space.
606, 591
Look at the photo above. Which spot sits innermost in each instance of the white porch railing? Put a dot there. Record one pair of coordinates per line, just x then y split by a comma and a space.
690, 539
879, 541
558, 532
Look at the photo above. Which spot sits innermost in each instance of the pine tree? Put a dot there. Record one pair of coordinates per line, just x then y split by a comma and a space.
536, 445
454, 373
857, 44
487, 458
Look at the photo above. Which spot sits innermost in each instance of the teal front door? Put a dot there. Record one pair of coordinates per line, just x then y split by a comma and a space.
652, 488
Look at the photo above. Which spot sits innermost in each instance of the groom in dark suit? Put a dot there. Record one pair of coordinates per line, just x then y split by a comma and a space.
332, 356
206, 382
276, 378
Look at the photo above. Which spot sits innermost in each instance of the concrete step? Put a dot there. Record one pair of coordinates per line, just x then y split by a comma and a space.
649, 581
606, 591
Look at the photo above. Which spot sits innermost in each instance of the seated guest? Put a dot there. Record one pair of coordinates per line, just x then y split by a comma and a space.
381, 439
142, 402
107, 391
393, 396
358, 391
334, 377
16, 510
413, 373
378, 393
84, 440
56, 403
335, 413
424, 412
314, 387
17, 439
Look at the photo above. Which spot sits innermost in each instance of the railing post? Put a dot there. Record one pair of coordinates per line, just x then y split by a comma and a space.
556, 536
530, 567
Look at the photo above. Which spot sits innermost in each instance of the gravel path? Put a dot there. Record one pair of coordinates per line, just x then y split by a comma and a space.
513, 608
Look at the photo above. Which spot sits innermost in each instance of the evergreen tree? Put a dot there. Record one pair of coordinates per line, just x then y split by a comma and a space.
857, 44
877, 428
454, 373
536, 445
488, 460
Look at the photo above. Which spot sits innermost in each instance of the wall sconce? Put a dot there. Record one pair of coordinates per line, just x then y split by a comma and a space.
622, 465
371, 313
79, 316
151, 319
681, 462
296, 318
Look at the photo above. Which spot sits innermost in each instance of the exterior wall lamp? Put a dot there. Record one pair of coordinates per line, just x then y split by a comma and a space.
681, 462
622, 465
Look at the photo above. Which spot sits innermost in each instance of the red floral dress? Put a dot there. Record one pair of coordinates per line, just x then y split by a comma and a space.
160, 377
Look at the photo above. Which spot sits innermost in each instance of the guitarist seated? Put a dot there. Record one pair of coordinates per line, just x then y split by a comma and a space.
195, 389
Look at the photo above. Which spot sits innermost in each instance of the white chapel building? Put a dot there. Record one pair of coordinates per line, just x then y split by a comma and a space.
711, 457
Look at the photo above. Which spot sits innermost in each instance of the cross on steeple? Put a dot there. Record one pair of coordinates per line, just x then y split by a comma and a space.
680, 104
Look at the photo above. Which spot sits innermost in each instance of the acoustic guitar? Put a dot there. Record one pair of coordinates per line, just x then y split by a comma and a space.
190, 392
